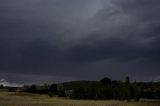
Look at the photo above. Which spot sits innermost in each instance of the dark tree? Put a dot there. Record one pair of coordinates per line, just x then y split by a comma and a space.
127, 80
106, 81
61, 90
136, 91
79, 93
128, 93
1, 86
33, 89
53, 89
119, 91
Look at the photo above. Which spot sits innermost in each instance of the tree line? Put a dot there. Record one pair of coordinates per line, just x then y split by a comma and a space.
104, 89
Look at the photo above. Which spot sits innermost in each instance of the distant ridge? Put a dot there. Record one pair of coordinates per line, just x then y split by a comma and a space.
5, 83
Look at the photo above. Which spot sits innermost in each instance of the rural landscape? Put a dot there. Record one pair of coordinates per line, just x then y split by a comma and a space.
79, 53
83, 93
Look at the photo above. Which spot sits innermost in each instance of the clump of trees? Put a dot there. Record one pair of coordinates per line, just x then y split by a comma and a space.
104, 89
107, 89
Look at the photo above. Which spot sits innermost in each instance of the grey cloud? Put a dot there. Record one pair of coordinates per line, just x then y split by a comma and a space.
73, 38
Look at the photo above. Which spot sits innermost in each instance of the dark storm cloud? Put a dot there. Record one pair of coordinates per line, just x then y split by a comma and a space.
78, 38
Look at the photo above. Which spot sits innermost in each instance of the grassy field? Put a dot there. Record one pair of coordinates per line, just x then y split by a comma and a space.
26, 99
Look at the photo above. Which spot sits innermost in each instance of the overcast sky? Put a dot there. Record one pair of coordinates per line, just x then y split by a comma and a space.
63, 40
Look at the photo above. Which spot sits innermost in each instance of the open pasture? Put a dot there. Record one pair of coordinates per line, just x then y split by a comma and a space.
26, 99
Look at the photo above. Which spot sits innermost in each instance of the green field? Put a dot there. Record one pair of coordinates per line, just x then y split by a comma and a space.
26, 99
